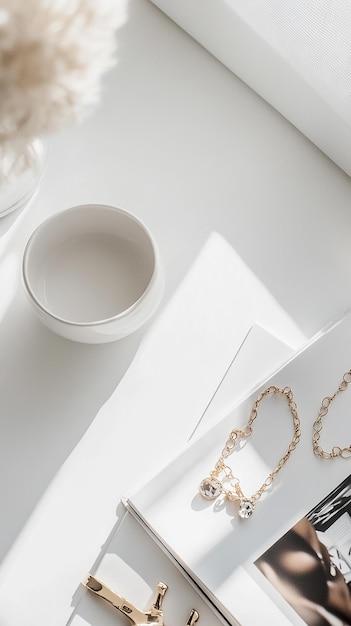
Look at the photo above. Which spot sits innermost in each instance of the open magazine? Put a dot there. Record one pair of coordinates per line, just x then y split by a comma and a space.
235, 562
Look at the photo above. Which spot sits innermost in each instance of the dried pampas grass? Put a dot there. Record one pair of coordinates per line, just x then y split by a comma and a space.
52, 55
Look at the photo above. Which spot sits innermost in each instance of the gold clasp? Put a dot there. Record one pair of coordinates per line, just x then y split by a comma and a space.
137, 617
193, 617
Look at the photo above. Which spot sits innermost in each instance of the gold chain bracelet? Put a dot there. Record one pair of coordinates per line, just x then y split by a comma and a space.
214, 485
318, 424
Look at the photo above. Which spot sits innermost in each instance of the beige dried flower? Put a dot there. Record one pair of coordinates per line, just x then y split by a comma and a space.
52, 56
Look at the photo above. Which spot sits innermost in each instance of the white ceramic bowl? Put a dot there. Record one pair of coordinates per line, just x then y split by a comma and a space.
92, 273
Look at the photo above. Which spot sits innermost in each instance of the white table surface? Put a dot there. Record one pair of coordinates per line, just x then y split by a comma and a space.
182, 143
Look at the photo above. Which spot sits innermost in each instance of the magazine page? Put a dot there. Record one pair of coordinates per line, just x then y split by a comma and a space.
131, 567
310, 565
208, 537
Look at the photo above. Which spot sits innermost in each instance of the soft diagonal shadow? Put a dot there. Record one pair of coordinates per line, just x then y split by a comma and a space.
51, 390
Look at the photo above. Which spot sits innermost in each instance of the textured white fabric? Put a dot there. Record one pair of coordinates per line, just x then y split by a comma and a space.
296, 54
313, 35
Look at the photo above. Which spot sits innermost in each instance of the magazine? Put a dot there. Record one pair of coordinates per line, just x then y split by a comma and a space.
220, 552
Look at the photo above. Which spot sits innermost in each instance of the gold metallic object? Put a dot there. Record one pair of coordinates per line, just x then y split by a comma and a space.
336, 451
136, 616
193, 617
214, 485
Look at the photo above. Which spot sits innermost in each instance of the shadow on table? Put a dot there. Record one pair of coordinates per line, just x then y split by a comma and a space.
51, 390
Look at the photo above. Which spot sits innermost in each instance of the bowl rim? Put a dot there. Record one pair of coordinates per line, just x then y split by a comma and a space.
100, 322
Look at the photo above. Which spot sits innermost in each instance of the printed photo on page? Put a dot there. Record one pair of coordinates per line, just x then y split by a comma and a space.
310, 565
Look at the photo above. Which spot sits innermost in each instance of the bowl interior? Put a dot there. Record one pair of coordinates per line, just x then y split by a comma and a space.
89, 264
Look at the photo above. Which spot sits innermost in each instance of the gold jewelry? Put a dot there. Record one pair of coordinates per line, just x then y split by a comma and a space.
153, 617
336, 451
214, 485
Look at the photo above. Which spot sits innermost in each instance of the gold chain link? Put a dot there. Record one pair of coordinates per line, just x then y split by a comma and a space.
336, 451
240, 433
